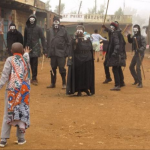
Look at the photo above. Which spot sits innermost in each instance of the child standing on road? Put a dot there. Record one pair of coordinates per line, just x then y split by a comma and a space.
17, 73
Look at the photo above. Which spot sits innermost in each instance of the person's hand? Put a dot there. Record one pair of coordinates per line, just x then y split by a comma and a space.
46, 55
27, 50
103, 26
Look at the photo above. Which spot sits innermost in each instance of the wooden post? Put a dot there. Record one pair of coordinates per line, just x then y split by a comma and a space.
79, 7
59, 6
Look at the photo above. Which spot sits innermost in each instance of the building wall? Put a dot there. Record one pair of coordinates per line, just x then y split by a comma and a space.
6, 17
29, 2
20, 20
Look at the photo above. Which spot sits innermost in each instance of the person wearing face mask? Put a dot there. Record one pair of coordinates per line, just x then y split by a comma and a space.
58, 44
81, 65
13, 36
32, 34
138, 54
116, 56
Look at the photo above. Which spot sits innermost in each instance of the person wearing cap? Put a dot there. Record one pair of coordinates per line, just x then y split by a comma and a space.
58, 44
32, 36
81, 65
116, 56
13, 36
138, 55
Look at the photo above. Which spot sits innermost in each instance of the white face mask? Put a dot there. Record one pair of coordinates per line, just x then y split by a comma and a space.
135, 30
56, 24
12, 28
79, 31
32, 20
112, 28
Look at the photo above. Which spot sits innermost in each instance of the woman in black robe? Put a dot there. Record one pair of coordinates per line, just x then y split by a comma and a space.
81, 65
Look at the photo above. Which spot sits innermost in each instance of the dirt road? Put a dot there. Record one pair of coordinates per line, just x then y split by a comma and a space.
107, 120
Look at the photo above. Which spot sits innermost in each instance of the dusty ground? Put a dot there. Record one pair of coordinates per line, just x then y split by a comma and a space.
107, 120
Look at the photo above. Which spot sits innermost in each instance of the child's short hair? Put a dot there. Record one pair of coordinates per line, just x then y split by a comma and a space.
95, 31
17, 48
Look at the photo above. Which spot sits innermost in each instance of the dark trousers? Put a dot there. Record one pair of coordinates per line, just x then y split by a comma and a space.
34, 66
136, 74
107, 73
118, 75
59, 62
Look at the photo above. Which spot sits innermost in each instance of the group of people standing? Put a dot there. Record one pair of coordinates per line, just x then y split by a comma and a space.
116, 55
58, 46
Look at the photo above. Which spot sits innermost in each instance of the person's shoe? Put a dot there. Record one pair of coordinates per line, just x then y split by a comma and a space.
116, 88
79, 94
21, 141
107, 81
34, 82
51, 86
3, 143
135, 83
64, 86
87, 92
140, 85
122, 85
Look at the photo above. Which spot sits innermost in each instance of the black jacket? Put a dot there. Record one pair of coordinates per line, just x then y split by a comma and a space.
105, 45
32, 35
80, 67
141, 43
58, 44
13, 37
116, 54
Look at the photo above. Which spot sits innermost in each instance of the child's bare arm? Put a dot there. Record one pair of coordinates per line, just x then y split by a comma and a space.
26, 53
6, 72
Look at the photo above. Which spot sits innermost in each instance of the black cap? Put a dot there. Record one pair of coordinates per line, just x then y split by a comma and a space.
12, 24
56, 18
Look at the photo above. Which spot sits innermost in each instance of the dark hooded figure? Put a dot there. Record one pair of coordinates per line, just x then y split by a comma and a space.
58, 43
106, 68
32, 34
137, 59
116, 56
81, 65
13, 35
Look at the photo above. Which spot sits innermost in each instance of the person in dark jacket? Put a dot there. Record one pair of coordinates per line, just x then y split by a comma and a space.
58, 43
138, 55
13, 36
32, 34
116, 56
81, 65
106, 68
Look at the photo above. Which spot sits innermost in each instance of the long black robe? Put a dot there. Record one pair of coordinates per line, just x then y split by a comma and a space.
81, 67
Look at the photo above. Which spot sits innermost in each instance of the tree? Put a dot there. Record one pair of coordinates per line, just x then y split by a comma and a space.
47, 5
119, 12
62, 7
137, 18
102, 9
73, 12
91, 10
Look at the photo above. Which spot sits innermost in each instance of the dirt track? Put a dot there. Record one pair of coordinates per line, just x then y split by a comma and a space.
107, 120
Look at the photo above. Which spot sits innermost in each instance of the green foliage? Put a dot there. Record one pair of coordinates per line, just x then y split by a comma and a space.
47, 5
73, 12
102, 9
91, 10
62, 7
119, 12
